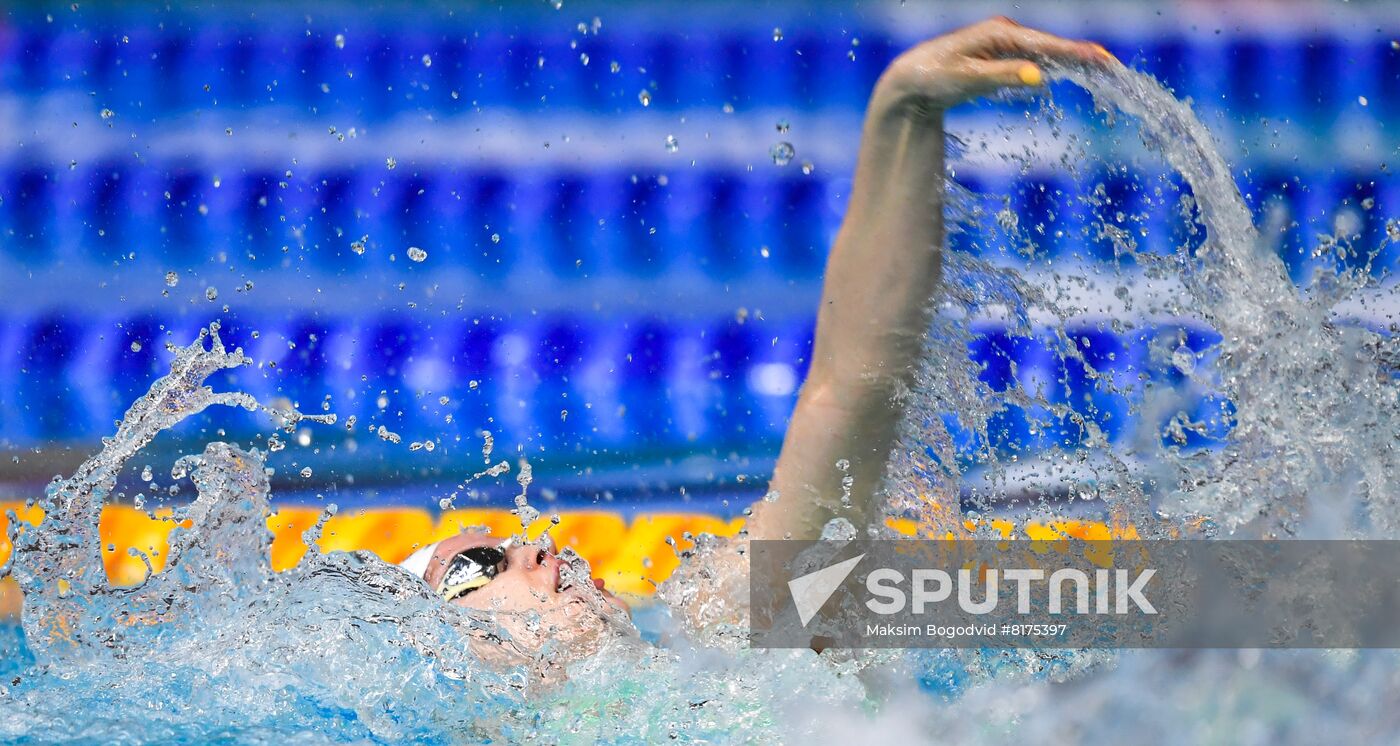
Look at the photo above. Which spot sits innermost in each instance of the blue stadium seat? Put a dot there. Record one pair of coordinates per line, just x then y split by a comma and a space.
647, 228
732, 347
1097, 384
802, 226
50, 408
491, 243
766, 72
999, 354
1166, 59
1355, 208
694, 395
645, 368
489, 79
1118, 208
263, 211
29, 217
70, 57
558, 405
11, 56
391, 344
1048, 217
1198, 402
775, 372
475, 374
733, 219
570, 231
1384, 76
303, 372
1315, 78
129, 372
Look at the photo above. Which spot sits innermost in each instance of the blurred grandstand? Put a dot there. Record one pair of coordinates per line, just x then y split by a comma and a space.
621, 271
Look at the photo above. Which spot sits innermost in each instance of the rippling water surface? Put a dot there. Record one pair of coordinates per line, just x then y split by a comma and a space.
1289, 432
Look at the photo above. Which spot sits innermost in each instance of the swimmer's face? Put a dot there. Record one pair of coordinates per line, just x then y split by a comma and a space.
529, 580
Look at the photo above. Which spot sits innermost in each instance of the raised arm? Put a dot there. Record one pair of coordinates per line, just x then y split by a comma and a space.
883, 270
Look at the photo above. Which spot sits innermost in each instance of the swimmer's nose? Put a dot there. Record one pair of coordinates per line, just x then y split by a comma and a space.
525, 556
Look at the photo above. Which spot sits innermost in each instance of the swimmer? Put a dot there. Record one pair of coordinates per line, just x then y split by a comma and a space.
875, 308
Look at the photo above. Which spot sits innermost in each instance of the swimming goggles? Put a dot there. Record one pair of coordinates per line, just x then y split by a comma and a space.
471, 569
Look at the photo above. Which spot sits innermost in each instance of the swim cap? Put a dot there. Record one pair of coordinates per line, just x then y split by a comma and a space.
417, 563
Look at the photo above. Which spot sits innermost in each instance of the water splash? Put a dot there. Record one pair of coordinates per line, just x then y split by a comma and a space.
219, 647
1308, 399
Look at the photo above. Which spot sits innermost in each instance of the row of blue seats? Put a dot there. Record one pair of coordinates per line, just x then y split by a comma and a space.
370, 71
573, 223
373, 68
1109, 217
564, 382
611, 222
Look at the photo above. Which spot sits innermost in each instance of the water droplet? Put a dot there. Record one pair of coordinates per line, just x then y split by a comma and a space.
212, 293
614, 67
306, 472
417, 254
782, 153
390, 163
1184, 360
172, 279
135, 346
495, 238
672, 144
644, 97
427, 60
783, 126
340, 41
146, 474
359, 246
839, 529
583, 57
777, 34
107, 113
808, 168
1362, 100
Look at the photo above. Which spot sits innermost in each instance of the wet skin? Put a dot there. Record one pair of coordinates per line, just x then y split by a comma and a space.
529, 579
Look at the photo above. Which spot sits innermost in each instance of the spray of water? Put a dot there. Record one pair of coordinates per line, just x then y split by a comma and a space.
344, 647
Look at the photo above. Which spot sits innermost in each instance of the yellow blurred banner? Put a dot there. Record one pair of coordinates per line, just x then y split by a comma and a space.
630, 556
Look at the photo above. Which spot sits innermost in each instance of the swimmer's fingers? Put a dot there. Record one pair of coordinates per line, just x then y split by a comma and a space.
992, 75
1002, 38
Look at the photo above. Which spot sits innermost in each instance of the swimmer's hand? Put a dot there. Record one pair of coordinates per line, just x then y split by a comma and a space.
975, 61
882, 279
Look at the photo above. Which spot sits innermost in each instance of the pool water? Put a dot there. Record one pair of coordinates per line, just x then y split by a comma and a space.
345, 648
